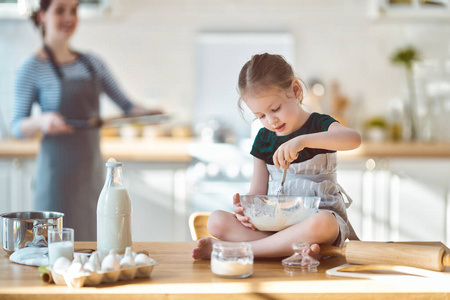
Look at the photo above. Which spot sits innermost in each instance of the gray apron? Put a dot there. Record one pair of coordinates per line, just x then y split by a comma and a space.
317, 177
70, 170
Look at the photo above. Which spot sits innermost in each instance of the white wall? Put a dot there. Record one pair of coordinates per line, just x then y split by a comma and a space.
150, 46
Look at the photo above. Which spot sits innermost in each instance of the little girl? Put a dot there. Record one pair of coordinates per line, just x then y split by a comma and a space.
303, 143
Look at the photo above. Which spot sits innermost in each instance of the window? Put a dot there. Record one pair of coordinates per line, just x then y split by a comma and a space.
17, 9
220, 57
410, 9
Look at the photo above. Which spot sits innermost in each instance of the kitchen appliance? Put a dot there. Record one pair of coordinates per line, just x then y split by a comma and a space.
217, 172
20, 228
418, 256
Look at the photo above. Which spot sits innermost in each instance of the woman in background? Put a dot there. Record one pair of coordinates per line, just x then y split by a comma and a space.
66, 84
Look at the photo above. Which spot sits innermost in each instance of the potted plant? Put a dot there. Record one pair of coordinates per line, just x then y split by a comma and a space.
406, 57
376, 129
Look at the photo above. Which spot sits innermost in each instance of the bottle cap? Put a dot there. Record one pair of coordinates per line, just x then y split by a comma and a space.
112, 162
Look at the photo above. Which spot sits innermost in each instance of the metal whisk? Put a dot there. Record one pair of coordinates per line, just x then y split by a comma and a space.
280, 191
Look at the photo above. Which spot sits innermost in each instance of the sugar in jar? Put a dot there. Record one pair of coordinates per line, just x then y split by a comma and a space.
232, 260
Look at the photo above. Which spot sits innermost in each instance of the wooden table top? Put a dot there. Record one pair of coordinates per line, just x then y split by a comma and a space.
178, 276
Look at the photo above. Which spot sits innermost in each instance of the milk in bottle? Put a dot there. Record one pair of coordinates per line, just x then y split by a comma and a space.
114, 212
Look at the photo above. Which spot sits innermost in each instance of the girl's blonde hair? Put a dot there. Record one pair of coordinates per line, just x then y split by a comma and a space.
264, 71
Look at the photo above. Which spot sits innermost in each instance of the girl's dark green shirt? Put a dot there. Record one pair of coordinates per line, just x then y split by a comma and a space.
267, 142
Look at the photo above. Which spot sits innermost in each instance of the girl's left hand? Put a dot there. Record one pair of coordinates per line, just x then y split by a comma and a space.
238, 210
287, 153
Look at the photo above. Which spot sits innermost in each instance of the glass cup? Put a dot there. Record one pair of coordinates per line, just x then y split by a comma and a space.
60, 243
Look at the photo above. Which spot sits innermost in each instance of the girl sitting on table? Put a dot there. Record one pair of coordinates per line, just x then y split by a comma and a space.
303, 143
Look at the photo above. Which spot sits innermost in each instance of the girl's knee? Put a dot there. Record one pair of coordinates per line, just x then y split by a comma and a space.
217, 223
324, 223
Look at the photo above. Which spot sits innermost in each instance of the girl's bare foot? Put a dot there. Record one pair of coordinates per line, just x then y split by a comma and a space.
314, 251
204, 248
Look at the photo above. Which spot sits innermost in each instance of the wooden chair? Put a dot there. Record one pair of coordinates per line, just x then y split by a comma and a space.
197, 225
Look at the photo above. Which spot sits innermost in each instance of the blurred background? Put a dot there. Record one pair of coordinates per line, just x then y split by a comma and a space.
184, 57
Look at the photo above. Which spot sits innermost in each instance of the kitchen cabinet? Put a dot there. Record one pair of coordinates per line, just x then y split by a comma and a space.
157, 191
399, 191
154, 173
398, 199
158, 194
16, 184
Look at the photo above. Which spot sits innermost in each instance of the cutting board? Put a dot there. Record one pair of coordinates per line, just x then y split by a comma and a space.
395, 278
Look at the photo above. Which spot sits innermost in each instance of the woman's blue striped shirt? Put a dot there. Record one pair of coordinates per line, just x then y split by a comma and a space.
37, 81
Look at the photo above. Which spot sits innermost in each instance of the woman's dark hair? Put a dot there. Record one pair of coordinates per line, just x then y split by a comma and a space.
43, 6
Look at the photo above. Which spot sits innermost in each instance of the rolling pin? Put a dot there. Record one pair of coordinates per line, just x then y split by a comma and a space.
418, 256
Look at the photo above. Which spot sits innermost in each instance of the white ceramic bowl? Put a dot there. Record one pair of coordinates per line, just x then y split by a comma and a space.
273, 213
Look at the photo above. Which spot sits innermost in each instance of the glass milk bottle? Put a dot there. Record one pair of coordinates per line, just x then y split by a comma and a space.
113, 212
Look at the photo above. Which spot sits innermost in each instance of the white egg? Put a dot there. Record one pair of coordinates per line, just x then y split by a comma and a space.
75, 270
142, 259
110, 262
61, 264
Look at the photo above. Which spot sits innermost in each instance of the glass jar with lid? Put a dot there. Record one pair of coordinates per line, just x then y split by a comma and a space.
232, 260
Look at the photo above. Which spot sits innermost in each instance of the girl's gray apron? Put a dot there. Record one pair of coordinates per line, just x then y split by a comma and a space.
316, 177
70, 169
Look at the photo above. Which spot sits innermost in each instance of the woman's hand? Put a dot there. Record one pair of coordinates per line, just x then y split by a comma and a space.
239, 213
52, 123
137, 110
288, 152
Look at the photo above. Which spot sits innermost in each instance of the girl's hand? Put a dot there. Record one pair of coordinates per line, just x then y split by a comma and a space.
288, 152
52, 123
239, 213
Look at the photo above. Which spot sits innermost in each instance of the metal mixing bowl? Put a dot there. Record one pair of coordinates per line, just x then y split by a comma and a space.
21, 227
275, 213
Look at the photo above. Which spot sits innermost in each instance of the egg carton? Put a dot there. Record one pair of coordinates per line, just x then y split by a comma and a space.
96, 278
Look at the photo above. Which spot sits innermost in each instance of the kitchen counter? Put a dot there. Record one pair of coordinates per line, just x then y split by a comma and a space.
176, 149
178, 276
397, 150
157, 149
